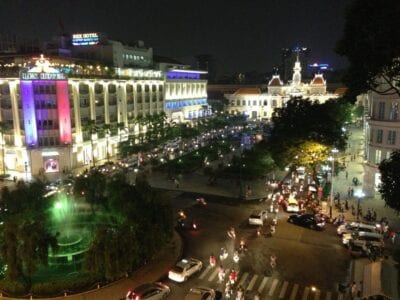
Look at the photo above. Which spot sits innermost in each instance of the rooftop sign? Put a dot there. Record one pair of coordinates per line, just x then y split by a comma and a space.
42, 71
85, 39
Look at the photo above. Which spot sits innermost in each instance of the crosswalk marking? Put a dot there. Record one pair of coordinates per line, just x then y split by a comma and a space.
283, 290
263, 283
205, 272
317, 294
305, 293
273, 287
340, 297
294, 292
243, 279
328, 296
252, 282
213, 275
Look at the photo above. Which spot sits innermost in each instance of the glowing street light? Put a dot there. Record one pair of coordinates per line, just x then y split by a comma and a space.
359, 194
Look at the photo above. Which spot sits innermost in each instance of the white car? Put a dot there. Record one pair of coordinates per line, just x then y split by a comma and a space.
258, 217
184, 269
350, 227
358, 238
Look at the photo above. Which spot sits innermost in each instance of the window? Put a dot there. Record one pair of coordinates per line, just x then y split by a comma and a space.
254, 102
274, 103
394, 111
238, 102
379, 136
381, 110
244, 103
378, 156
265, 102
391, 140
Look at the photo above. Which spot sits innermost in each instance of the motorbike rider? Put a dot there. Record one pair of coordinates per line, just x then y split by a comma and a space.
242, 245
224, 254
272, 261
232, 276
221, 273
231, 233
228, 290
236, 256
213, 260
272, 229
240, 293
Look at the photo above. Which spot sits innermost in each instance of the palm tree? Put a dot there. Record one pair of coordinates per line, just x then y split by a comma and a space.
107, 128
92, 129
3, 129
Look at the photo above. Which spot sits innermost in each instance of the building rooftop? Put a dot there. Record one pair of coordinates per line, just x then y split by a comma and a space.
247, 91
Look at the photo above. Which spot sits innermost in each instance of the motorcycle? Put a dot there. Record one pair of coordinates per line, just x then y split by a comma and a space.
228, 290
223, 255
236, 257
240, 294
221, 274
258, 231
232, 277
201, 202
242, 246
213, 261
231, 233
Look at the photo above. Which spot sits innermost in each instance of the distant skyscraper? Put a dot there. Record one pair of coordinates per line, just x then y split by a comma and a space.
289, 57
206, 62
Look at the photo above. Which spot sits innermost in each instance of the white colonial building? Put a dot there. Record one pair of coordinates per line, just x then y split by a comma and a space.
259, 105
382, 134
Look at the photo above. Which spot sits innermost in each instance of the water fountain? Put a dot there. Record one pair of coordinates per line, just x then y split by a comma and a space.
74, 237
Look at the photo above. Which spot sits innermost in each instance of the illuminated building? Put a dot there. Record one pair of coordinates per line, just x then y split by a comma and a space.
259, 105
62, 114
382, 132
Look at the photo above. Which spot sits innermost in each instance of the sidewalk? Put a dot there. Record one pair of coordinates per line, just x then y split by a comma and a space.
149, 273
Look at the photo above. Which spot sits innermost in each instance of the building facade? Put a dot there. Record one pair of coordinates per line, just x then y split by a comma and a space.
57, 117
259, 105
382, 130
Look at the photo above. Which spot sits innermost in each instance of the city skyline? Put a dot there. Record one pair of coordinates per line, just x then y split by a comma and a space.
181, 30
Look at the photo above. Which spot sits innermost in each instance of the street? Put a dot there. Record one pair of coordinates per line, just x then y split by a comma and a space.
304, 256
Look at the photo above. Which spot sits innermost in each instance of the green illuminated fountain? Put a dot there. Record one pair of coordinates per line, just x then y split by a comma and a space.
73, 236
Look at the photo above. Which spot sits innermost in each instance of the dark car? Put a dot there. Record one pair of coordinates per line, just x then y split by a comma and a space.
307, 220
153, 291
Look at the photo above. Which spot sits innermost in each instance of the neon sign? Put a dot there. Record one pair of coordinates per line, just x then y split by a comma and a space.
85, 39
42, 76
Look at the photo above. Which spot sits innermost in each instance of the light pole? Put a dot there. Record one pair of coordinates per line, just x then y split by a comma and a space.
332, 158
359, 194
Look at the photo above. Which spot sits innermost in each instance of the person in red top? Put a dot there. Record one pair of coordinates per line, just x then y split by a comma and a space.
232, 277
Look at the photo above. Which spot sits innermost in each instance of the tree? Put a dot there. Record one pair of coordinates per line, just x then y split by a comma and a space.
371, 44
390, 180
91, 128
26, 239
302, 120
3, 129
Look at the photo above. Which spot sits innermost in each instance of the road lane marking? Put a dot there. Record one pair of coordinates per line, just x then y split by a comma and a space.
263, 283
205, 272
252, 282
283, 290
243, 279
213, 275
294, 292
328, 295
305, 293
273, 287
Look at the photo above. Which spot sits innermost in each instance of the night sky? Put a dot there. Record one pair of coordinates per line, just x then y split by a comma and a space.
242, 35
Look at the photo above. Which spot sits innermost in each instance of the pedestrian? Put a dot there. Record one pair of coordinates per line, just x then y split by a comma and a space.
374, 216
352, 192
392, 236
346, 204
353, 210
176, 181
349, 192
347, 175
360, 289
353, 290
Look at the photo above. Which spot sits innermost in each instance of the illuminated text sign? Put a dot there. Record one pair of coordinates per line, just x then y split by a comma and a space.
42, 76
85, 39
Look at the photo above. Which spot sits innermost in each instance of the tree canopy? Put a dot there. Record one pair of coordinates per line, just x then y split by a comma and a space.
371, 44
390, 180
303, 121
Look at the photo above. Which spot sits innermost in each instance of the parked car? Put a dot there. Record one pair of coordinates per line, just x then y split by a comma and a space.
200, 293
258, 217
307, 220
349, 227
149, 291
359, 239
184, 269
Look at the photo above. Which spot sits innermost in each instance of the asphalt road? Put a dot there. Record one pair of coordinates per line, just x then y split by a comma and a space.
305, 258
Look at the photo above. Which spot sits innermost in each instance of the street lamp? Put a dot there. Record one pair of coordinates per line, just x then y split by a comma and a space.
359, 194
332, 158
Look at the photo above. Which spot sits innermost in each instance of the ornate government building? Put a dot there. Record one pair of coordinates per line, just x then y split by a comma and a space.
259, 105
